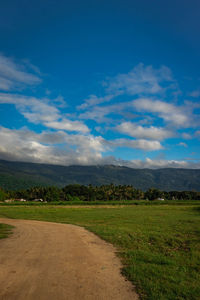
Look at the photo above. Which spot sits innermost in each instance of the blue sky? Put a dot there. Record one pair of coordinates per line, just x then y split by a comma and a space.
100, 82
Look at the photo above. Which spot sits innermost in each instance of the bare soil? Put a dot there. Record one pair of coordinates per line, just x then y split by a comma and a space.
44, 260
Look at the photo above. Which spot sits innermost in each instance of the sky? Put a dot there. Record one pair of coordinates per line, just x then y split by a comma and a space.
100, 82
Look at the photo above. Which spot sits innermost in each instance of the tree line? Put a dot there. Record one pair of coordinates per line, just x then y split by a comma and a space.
76, 192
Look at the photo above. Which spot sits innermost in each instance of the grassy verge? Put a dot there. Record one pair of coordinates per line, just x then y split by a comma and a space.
99, 203
5, 230
159, 245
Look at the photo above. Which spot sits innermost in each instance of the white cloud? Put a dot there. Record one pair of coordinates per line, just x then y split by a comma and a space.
140, 81
14, 75
137, 144
161, 163
146, 110
94, 100
169, 112
99, 113
41, 111
68, 125
59, 147
34, 109
137, 131
25, 145
5, 84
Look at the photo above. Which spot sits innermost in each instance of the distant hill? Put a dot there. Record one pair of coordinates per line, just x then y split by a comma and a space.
20, 175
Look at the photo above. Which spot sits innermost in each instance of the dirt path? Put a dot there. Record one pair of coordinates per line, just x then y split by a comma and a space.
43, 260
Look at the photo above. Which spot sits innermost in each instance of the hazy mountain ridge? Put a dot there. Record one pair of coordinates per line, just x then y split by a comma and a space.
19, 175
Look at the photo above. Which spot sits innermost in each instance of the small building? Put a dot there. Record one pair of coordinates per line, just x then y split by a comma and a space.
21, 200
12, 200
38, 200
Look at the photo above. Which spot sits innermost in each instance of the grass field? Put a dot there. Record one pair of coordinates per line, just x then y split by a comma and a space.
159, 245
101, 203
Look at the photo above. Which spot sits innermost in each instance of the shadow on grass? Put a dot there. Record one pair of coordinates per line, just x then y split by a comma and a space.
197, 208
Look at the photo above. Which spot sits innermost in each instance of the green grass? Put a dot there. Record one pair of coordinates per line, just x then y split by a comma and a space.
159, 244
100, 202
5, 230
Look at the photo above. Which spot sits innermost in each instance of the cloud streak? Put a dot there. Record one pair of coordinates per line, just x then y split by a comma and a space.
140, 80
14, 75
138, 131
68, 125
42, 111
167, 111
141, 144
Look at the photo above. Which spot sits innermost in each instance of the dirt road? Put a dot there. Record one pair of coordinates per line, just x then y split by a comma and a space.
53, 261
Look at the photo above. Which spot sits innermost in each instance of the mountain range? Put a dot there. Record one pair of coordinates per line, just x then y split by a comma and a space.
22, 175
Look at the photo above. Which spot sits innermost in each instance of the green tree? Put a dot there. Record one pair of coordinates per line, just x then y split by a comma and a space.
3, 195
153, 194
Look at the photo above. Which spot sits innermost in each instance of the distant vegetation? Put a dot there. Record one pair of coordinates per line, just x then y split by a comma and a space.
76, 192
20, 175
